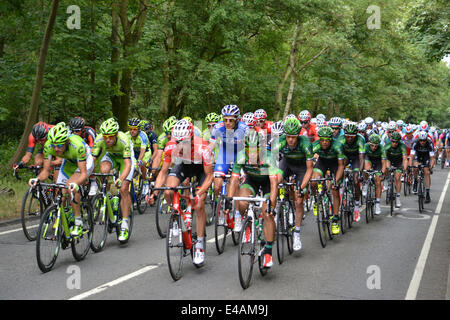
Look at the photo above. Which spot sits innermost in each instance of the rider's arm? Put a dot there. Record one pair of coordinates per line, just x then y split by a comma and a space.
45, 172
209, 172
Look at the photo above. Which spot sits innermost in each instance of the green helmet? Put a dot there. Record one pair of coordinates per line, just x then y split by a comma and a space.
252, 139
292, 126
142, 124
351, 128
325, 132
212, 117
168, 124
374, 138
188, 119
109, 127
58, 134
395, 136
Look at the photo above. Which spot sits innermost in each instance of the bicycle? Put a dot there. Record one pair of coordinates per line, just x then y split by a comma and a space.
179, 244
137, 190
407, 182
55, 229
347, 204
370, 196
224, 221
106, 208
390, 196
285, 220
210, 202
323, 209
250, 237
443, 156
34, 202
420, 185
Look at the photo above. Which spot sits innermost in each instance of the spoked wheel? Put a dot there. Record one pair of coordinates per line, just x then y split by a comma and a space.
48, 240
32, 210
100, 222
282, 230
175, 247
369, 207
421, 196
343, 212
246, 253
162, 215
81, 244
140, 196
210, 207
322, 224
391, 198
220, 228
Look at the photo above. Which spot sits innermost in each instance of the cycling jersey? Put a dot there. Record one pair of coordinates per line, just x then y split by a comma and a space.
328, 158
294, 156
89, 136
378, 154
195, 152
354, 149
311, 132
139, 142
163, 139
259, 172
423, 153
395, 155
408, 143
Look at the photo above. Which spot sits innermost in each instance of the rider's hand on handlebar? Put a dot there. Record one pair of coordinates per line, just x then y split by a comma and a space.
32, 182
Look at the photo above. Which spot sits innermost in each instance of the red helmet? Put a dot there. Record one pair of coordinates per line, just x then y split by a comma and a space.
304, 115
260, 114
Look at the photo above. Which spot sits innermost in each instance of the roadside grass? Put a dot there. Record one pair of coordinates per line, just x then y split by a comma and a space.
11, 202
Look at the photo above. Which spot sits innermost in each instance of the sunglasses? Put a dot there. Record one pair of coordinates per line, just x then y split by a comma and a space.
133, 128
373, 144
229, 120
350, 135
211, 125
335, 128
325, 138
304, 122
109, 135
57, 145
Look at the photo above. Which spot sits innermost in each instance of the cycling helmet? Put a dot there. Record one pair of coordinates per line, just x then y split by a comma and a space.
408, 129
369, 132
432, 129
400, 123
362, 126
252, 139
423, 125
212, 117
368, 120
320, 115
58, 134
134, 122
335, 121
147, 127
325, 132
304, 115
187, 118
109, 127
182, 130
260, 114
423, 135
351, 128
391, 125
321, 122
292, 126
77, 124
142, 124
374, 139
249, 119
290, 116
278, 128
396, 136
168, 125
40, 130
231, 110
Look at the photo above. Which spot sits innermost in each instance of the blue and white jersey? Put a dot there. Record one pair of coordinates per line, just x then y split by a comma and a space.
227, 143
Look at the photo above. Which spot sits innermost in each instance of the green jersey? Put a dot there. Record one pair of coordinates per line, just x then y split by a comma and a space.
334, 152
378, 154
395, 154
297, 155
257, 172
122, 148
163, 139
76, 151
352, 150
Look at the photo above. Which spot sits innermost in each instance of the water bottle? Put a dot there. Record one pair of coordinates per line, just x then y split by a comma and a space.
187, 218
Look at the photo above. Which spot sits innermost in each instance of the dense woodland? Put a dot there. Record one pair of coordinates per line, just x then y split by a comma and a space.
155, 58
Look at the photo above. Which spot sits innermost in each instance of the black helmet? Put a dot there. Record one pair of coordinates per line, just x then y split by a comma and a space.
40, 130
77, 124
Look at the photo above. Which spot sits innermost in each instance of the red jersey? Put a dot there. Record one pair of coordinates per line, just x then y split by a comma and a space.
267, 127
197, 152
311, 133
32, 141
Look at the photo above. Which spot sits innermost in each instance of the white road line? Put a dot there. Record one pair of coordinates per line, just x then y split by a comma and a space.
418, 272
112, 283
219, 237
15, 230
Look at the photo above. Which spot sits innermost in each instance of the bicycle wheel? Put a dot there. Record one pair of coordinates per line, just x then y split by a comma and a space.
281, 222
321, 224
174, 247
48, 240
140, 197
100, 222
246, 253
342, 211
210, 207
405, 185
391, 196
421, 195
290, 227
368, 202
162, 215
82, 244
220, 228
31, 212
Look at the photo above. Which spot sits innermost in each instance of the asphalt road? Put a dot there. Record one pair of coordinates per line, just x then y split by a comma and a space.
402, 257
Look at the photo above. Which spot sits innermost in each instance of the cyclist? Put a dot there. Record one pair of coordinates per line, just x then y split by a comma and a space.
362, 127
163, 139
397, 156
308, 129
336, 124
446, 140
152, 137
353, 146
262, 123
117, 151
297, 158
76, 167
330, 157
227, 140
211, 119
376, 160
408, 139
422, 152
141, 147
193, 158
250, 120
258, 164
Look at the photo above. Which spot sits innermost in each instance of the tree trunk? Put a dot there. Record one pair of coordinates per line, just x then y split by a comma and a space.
35, 99
115, 58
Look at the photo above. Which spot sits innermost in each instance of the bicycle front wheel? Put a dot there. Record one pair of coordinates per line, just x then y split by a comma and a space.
162, 215
100, 223
48, 240
246, 253
220, 228
81, 244
321, 223
31, 212
281, 222
175, 247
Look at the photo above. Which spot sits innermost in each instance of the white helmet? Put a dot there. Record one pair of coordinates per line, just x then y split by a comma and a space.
422, 135
392, 125
368, 120
400, 123
320, 115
